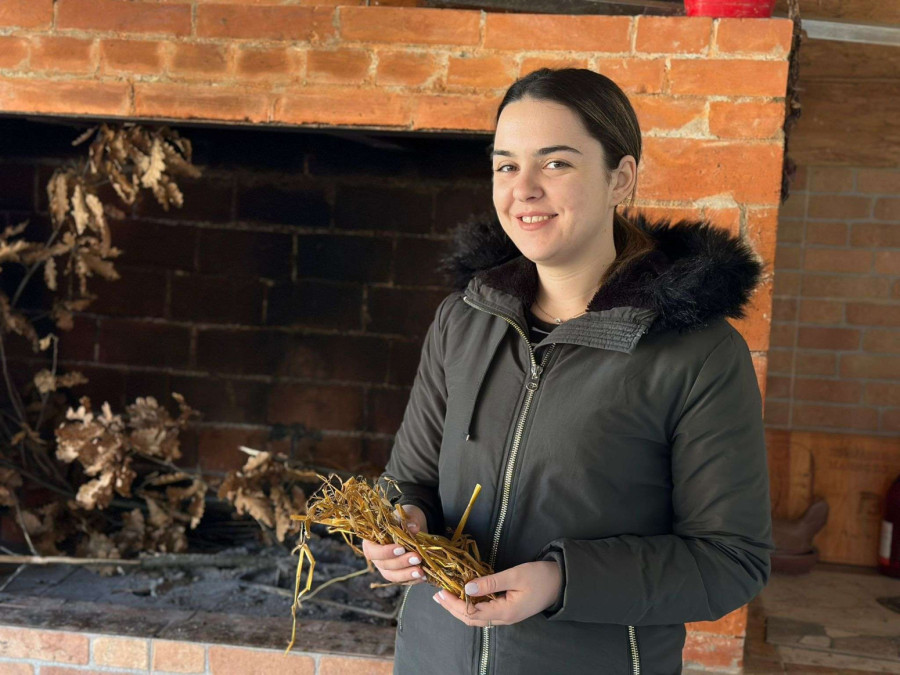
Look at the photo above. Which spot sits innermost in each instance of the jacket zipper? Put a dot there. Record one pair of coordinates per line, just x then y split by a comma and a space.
402, 605
536, 371
635, 656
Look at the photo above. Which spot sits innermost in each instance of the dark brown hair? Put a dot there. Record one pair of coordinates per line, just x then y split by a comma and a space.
608, 116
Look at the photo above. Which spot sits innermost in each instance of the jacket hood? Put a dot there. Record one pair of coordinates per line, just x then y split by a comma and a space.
696, 272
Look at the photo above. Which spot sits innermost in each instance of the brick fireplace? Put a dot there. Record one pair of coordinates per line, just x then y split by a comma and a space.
287, 300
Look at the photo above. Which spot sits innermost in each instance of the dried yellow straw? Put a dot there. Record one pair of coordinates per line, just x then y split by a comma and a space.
354, 508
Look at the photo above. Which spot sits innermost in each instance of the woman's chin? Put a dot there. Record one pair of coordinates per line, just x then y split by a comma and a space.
532, 248
538, 255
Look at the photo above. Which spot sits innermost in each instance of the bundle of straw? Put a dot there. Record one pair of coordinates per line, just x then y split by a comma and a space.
354, 508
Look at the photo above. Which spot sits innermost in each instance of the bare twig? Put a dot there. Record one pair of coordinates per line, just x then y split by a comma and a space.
166, 560
32, 270
22, 525
12, 576
285, 593
62, 560
68, 494
46, 395
336, 579
13, 394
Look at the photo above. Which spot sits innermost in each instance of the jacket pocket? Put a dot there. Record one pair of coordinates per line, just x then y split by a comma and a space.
402, 607
633, 651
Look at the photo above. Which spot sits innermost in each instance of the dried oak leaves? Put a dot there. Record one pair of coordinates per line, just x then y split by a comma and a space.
107, 446
126, 156
266, 489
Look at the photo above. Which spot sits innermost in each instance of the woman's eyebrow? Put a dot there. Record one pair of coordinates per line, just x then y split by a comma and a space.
539, 153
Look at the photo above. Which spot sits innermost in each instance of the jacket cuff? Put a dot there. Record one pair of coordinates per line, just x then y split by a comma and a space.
556, 556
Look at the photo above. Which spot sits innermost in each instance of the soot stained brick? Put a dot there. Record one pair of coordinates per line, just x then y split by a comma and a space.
217, 299
205, 199
382, 208
224, 400
258, 254
284, 206
315, 304
406, 311
340, 357
254, 352
344, 258
456, 204
418, 262
16, 186
144, 243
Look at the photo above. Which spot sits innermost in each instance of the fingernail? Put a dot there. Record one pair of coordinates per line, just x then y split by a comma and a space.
413, 526
436, 598
399, 550
414, 560
415, 574
471, 587
441, 593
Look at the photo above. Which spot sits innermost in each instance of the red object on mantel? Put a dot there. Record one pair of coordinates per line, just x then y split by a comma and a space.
889, 542
736, 9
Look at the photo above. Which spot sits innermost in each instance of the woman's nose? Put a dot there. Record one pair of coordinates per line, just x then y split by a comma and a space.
527, 186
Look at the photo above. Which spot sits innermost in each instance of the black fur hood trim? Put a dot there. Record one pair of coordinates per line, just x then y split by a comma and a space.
697, 272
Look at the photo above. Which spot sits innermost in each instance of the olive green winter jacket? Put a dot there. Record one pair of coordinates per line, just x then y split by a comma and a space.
627, 446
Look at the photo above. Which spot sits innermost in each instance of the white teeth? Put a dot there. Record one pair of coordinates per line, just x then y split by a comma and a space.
535, 219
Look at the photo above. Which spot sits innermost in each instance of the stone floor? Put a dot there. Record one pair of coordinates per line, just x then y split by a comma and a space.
838, 597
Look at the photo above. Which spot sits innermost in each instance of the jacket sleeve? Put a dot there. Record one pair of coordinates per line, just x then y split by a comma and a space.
413, 462
717, 557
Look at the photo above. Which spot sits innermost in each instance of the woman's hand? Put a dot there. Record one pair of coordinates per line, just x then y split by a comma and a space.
530, 588
395, 563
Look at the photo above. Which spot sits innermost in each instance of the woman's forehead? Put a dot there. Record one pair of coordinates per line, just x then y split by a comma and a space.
528, 125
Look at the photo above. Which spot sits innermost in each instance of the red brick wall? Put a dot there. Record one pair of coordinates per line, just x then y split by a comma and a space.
385, 66
710, 99
834, 361
26, 651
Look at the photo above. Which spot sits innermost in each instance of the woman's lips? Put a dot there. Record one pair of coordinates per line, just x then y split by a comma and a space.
535, 226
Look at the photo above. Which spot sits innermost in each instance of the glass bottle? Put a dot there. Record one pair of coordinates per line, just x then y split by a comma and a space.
889, 542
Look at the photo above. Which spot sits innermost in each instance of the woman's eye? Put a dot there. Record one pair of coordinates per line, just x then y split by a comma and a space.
504, 168
560, 163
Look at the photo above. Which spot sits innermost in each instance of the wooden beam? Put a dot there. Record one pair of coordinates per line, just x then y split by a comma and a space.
846, 31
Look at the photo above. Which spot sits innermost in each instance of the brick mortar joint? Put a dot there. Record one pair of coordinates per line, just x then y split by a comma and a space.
337, 41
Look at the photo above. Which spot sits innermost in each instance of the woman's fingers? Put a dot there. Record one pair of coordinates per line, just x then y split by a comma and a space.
469, 614
394, 562
375, 552
399, 563
406, 573
416, 520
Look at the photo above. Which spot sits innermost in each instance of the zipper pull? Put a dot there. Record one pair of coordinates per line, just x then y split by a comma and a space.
535, 377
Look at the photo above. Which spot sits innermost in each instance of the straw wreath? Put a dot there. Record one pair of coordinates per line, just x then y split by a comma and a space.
354, 508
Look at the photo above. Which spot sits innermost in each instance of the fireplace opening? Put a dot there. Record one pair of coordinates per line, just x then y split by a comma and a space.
286, 301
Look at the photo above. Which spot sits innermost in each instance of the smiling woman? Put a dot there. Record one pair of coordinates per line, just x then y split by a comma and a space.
620, 445
555, 199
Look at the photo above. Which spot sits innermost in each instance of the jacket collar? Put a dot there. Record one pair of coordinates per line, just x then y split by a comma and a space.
695, 274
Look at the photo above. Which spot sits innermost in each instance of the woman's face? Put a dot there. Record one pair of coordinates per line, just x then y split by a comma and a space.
550, 192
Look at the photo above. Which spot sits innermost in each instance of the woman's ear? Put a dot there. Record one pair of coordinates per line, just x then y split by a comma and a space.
624, 179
